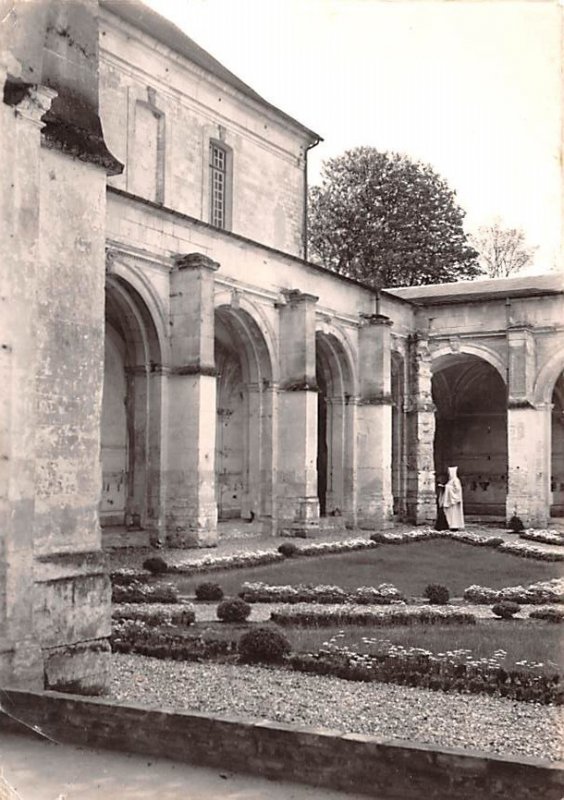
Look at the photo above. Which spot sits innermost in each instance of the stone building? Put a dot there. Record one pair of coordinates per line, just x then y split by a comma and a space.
170, 359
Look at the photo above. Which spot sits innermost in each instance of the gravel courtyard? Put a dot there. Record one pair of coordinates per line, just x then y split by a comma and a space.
474, 722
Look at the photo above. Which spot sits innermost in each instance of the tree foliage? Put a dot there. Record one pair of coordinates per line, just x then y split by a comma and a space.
502, 251
388, 221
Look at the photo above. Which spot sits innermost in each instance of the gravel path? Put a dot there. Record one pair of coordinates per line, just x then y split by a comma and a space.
476, 722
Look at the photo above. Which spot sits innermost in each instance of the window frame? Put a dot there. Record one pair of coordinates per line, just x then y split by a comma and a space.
226, 173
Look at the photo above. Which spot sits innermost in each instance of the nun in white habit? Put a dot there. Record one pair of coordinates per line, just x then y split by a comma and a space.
451, 501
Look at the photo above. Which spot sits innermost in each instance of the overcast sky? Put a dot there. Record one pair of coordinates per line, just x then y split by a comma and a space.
473, 88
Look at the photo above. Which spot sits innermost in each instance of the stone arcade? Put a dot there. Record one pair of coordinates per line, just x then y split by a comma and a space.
171, 359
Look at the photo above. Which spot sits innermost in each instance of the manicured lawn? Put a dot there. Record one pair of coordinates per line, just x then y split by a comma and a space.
410, 567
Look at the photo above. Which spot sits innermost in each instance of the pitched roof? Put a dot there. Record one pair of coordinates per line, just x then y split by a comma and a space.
149, 22
464, 291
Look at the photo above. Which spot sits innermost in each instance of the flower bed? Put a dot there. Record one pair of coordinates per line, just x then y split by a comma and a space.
305, 615
536, 594
259, 592
235, 561
123, 577
451, 671
135, 636
550, 614
154, 614
136, 592
325, 548
543, 536
526, 551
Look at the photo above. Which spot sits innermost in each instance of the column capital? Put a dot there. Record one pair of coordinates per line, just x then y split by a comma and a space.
195, 261
30, 102
294, 296
375, 319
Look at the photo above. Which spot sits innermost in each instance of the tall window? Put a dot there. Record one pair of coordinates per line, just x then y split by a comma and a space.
218, 185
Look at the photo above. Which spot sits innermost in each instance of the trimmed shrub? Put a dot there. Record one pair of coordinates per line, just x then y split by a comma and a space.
288, 549
263, 645
123, 577
209, 591
515, 524
135, 636
506, 609
235, 610
311, 616
144, 593
156, 565
548, 614
436, 594
155, 614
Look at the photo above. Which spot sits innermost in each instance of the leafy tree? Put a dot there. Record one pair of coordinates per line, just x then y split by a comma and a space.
388, 221
502, 251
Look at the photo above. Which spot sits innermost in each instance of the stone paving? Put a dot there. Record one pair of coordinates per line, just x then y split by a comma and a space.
38, 769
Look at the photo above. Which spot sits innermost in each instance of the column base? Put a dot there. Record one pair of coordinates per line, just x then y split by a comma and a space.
82, 668
21, 666
187, 538
422, 509
299, 517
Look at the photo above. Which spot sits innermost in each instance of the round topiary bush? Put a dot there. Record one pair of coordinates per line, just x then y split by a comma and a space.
506, 609
263, 645
235, 610
495, 541
156, 565
209, 591
288, 549
436, 594
515, 524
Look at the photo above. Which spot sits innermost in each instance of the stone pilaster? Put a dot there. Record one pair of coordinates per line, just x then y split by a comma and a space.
420, 423
53, 189
529, 429
21, 660
191, 507
374, 425
298, 504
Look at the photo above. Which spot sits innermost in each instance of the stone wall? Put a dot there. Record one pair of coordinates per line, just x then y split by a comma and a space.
161, 129
353, 763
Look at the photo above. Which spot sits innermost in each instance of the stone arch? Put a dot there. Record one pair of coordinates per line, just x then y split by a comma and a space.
121, 273
470, 398
336, 382
256, 319
447, 355
244, 433
547, 377
131, 457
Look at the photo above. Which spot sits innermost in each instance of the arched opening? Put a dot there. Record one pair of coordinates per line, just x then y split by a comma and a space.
557, 455
398, 435
334, 428
471, 430
131, 407
244, 417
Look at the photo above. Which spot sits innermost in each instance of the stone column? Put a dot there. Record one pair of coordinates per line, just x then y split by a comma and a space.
191, 507
420, 423
298, 504
529, 430
374, 425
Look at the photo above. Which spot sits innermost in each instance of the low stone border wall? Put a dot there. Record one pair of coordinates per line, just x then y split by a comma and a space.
355, 763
